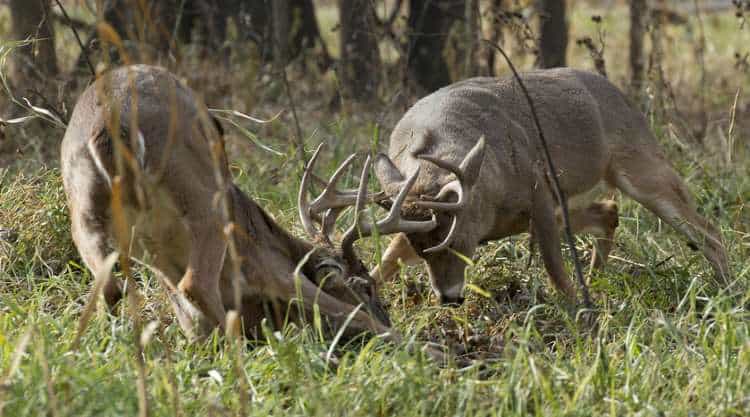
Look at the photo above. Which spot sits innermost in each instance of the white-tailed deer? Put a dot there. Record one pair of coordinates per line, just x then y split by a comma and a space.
490, 188
139, 130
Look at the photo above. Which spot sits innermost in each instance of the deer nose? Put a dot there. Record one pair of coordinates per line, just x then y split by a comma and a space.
451, 301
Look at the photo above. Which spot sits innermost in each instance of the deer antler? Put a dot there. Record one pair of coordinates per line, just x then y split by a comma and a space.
392, 223
331, 201
461, 186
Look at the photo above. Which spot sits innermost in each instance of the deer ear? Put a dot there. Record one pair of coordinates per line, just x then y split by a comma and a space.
472, 163
389, 176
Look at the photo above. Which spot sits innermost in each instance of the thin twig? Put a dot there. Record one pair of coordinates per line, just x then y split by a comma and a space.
78, 38
299, 141
700, 52
732, 125
559, 194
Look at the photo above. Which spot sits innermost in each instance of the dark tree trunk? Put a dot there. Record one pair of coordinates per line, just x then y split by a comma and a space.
638, 13
282, 20
208, 16
360, 57
295, 29
34, 67
429, 24
553, 41
496, 35
473, 32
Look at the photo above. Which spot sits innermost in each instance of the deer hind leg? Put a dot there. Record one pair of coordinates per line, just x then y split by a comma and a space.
652, 182
601, 220
398, 250
200, 283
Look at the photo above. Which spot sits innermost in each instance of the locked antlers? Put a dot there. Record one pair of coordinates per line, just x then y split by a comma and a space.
466, 174
328, 205
392, 223
330, 201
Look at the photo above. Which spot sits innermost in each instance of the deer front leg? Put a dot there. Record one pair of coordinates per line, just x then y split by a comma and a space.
545, 232
193, 322
200, 283
398, 250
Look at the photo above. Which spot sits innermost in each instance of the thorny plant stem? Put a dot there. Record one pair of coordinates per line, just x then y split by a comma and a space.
559, 194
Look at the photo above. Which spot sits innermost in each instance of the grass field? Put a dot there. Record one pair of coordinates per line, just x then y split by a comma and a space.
669, 341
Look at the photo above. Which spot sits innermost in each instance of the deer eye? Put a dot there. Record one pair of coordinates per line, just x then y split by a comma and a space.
329, 273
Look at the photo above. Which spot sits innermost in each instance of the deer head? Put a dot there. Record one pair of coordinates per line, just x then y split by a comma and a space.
339, 269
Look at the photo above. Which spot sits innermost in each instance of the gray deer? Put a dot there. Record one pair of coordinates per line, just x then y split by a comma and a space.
494, 187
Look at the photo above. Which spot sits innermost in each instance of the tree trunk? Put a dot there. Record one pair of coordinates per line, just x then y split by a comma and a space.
360, 58
295, 29
282, 15
429, 24
496, 35
553, 42
473, 35
638, 12
33, 67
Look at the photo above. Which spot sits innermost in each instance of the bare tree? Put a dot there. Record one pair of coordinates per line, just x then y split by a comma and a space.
360, 57
429, 24
473, 32
294, 29
638, 12
553, 41
496, 34
33, 66
281, 26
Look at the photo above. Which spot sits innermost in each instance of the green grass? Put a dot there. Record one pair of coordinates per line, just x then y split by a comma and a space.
668, 341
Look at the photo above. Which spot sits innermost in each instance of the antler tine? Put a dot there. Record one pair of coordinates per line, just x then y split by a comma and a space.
392, 223
323, 183
302, 204
465, 176
329, 221
330, 201
448, 239
448, 166
331, 198
454, 186
363, 179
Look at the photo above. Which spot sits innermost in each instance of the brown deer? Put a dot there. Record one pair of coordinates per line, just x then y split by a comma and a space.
494, 187
140, 131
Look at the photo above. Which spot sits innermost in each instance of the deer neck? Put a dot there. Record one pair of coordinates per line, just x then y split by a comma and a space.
259, 228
